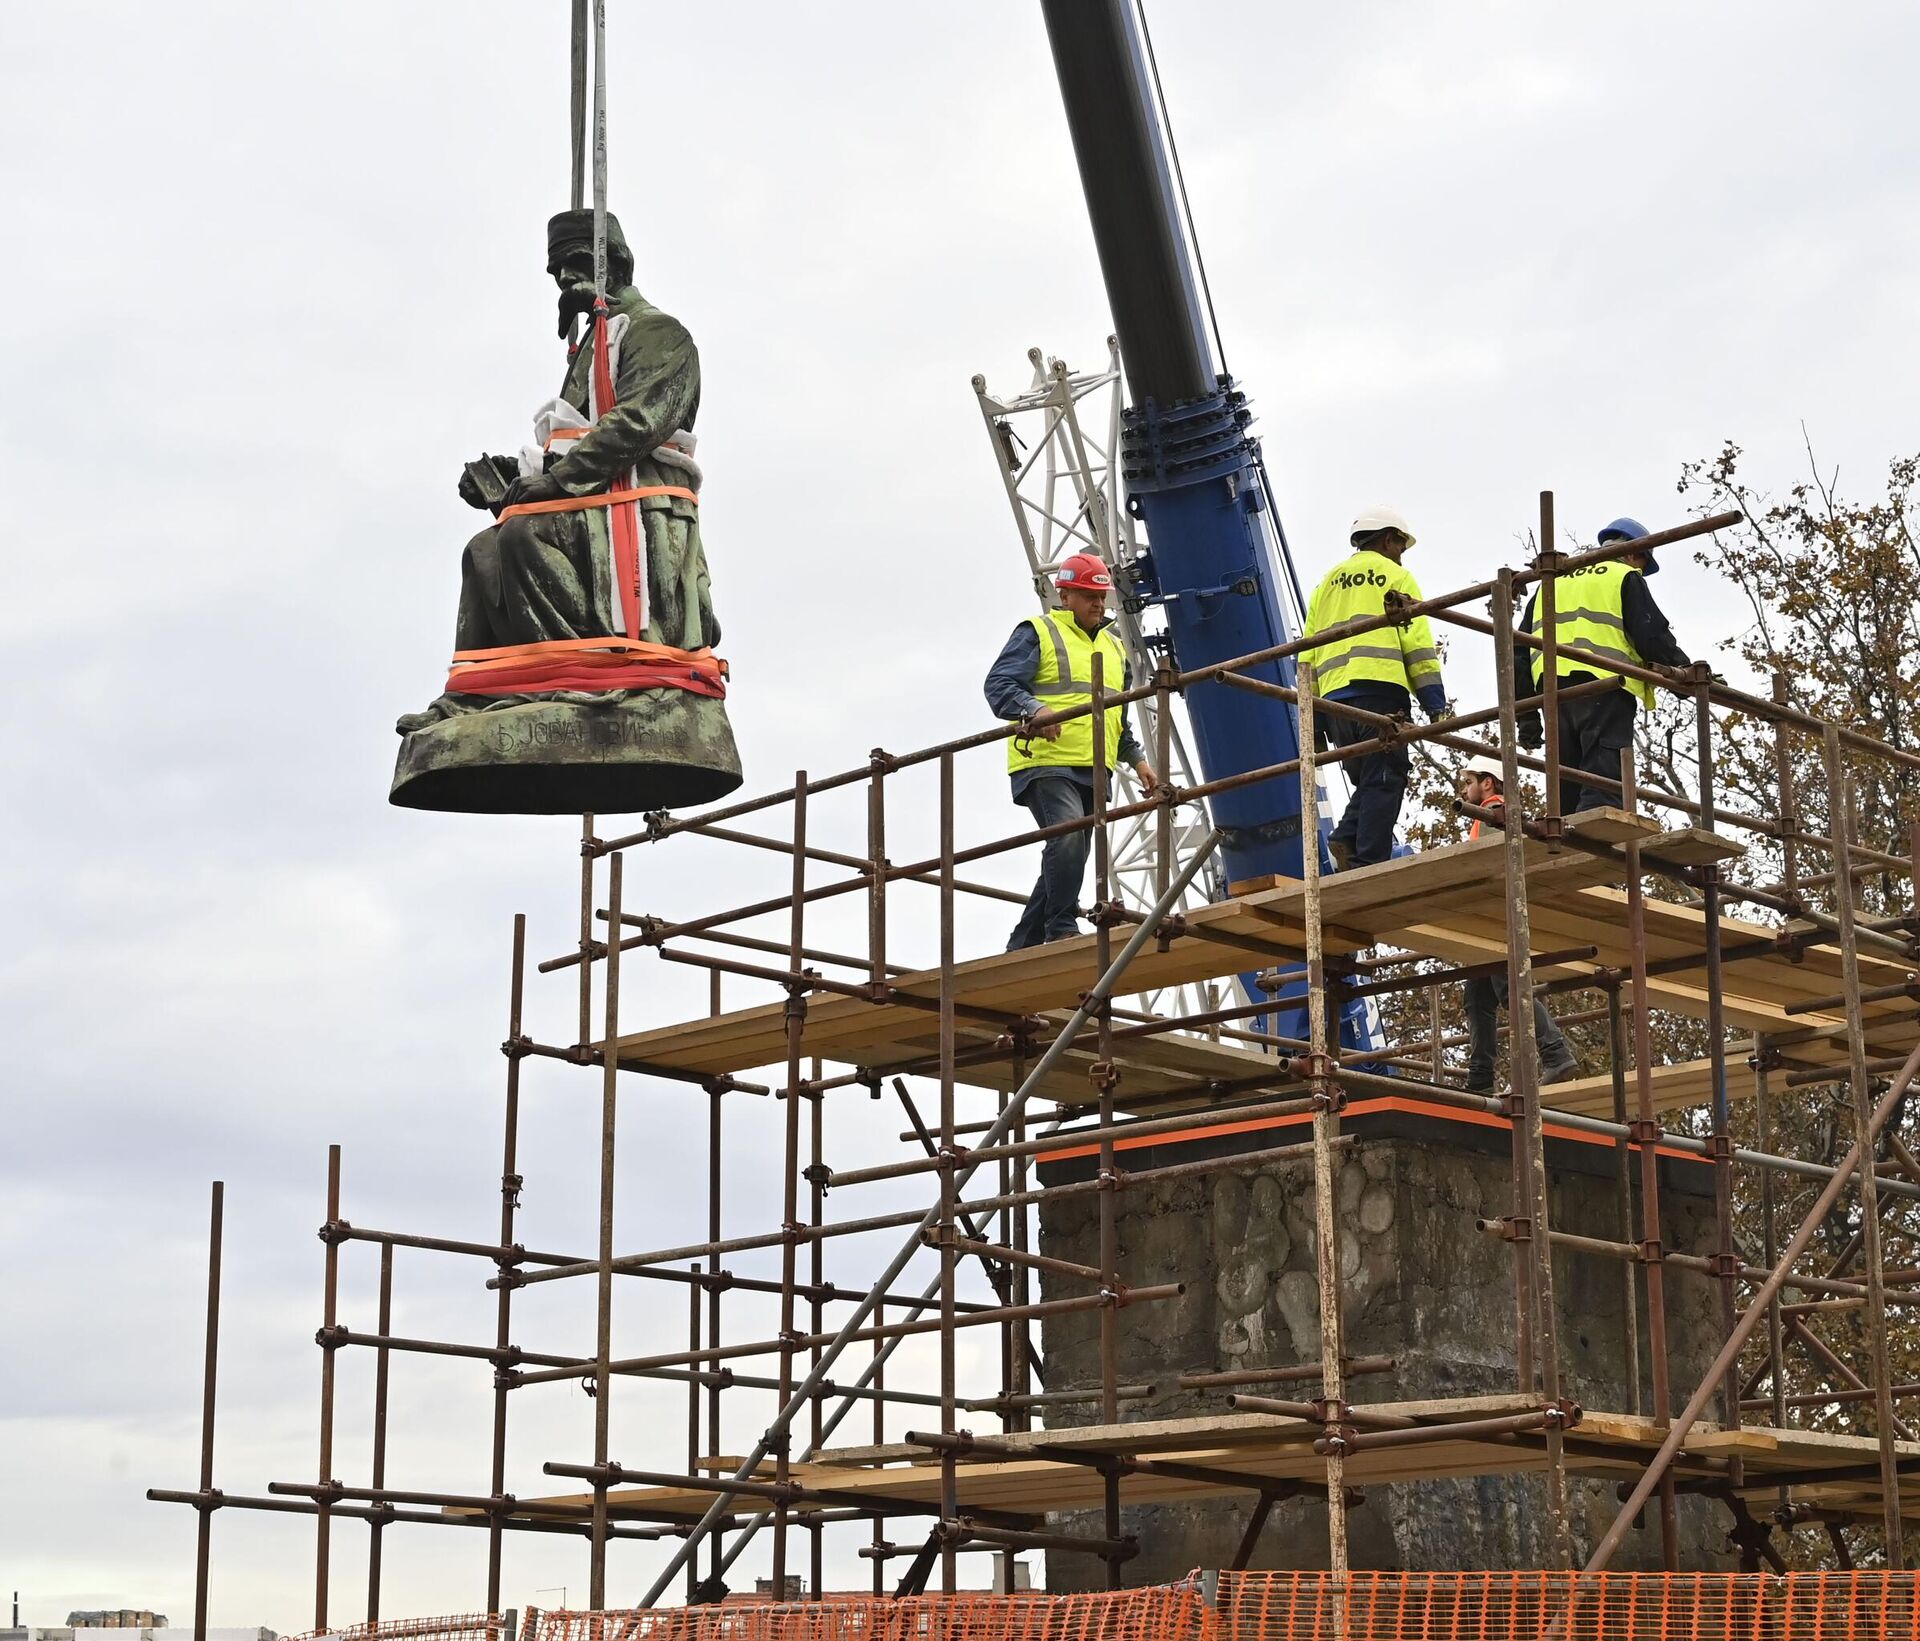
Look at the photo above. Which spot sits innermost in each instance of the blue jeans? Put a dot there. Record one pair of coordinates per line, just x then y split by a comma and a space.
1053, 909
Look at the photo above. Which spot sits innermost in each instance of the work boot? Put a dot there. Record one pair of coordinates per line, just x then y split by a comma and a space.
1479, 1084
1342, 853
1560, 1071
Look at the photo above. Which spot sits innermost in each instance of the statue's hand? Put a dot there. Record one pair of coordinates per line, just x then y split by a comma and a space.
484, 480
523, 490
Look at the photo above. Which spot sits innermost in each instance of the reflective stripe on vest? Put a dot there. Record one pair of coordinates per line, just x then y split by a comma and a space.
1063, 679
1356, 587
1587, 611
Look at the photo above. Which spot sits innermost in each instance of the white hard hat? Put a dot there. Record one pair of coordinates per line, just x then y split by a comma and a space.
1379, 518
1482, 763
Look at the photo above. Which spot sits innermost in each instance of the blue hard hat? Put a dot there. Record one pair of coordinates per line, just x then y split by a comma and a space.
1626, 529
1622, 529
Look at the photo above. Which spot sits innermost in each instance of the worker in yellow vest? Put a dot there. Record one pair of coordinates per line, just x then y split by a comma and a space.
1379, 671
1046, 667
1606, 609
1482, 784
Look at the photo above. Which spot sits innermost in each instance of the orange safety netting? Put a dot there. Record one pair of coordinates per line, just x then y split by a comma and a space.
1305, 1606
1528, 1606
456, 1627
1159, 1613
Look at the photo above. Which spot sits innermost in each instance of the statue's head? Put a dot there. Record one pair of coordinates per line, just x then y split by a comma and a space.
570, 260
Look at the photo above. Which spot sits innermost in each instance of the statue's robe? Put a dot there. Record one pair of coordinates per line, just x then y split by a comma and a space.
543, 576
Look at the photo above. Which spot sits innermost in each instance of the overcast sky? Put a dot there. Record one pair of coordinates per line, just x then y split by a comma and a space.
274, 271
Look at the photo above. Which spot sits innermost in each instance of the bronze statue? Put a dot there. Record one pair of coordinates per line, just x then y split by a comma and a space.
584, 678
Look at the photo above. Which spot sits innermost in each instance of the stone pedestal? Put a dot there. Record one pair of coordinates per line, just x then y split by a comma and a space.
645, 749
1422, 1286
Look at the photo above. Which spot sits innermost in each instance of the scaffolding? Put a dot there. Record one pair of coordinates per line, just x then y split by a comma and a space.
1606, 902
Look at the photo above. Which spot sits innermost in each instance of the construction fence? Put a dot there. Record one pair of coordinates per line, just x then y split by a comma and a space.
1302, 1606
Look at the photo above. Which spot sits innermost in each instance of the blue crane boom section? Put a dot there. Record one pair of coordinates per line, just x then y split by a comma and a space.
1191, 465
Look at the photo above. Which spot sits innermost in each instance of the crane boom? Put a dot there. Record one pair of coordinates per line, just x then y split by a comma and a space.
1191, 465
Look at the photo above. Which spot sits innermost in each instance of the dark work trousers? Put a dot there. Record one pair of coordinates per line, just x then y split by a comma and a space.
1486, 995
1594, 731
1053, 909
1379, 778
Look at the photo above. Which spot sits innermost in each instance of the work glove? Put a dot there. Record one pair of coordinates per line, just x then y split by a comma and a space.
1529, 733
524, 490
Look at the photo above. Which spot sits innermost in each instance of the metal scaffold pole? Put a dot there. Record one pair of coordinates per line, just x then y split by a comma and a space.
1328, 1097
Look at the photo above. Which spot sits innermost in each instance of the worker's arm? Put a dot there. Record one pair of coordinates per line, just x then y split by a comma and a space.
1010, 678
657, 392
1524, 654
1131, 752
1646, 625
1314, 623
1419, 654
1528, 724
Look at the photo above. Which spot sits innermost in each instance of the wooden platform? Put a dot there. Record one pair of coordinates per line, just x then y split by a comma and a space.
1263, 1447
1446, 903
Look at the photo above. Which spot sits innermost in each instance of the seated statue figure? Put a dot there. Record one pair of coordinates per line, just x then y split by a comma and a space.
583, 677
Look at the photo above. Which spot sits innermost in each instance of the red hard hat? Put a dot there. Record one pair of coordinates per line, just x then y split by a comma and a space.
1083, 570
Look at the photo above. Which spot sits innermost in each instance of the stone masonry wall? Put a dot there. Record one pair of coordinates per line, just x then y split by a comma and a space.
1422, 1286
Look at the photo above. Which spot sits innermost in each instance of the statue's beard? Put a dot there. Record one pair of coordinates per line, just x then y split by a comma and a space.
575, 300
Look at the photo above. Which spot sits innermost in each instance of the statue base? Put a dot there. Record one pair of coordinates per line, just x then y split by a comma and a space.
650, 749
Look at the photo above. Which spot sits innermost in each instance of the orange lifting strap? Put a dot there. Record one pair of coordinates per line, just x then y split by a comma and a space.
585, 664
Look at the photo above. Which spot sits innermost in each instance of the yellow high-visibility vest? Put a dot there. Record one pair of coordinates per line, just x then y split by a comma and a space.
1358, 586
1065, 679
1587, 611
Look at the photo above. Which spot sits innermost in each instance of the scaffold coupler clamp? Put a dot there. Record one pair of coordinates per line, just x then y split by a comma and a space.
1515, 1227
658, 824
1396, 606
1104, 1075
818, 1173
335, 1232
1564, 1412
330, 1338
1316, 1071
517, 1048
